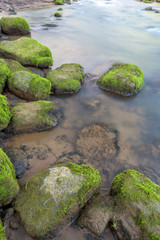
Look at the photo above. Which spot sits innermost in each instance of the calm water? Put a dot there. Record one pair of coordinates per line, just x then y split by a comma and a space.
96, 33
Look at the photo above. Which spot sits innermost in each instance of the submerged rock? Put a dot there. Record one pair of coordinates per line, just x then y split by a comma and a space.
66, 79
8, 183
2, 231
5, 114
26, 84
28, 52
4, 73
31, 117
137, 206
15, 26
124, 79
53, 197
91, 103
57, 14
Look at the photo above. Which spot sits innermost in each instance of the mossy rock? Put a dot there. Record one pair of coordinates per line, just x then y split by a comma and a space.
2, 232
15, 26
27, 51
148, 9
137, 206
8, 183
57, 14
58, 2
4, 73
66, 79
60, 9
31, 117
5, 114
26, 84
53, 197
124, 79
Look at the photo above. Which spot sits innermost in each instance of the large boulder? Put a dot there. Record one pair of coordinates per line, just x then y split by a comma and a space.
53, 197
124, 79
26, 84
8, 183
2, 232
67, 78
4, 73
15, 25
5, 114
137, 206
32, 116
27, 51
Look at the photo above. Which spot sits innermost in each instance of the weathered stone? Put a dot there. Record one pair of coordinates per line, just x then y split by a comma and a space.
54, 196
15, 26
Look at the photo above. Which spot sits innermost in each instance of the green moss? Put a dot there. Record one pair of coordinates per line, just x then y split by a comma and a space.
133, 188
57, 14
15, 25
125, 79
28, 52
2, 231
4, 73
15, 66
148, 9
5, 114
60, 9
8, 183
40, 87
58, 2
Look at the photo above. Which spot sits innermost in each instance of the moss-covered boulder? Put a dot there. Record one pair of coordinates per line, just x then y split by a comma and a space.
2, 232
5, 114
124, 79
15, 26
31, 117
26, 84
8, 183
58, 2
137, 206
27, 51
4, 73
50, 199
67, 78
57, 14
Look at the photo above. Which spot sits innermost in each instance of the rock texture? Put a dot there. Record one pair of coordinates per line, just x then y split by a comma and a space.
4, 73
5, 114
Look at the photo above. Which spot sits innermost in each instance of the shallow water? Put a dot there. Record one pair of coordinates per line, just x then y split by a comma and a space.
96, 33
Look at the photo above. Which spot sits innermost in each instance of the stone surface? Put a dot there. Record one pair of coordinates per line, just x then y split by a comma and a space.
8, 183
31, 117
28, 52
15, 26
50, 199
4, 73
66, 79
5, 114
124, 79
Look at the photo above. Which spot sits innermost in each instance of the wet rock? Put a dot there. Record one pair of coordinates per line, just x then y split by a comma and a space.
28, 52
156, 11
14, 224
66, 79
60, 9
57, 14
97, 215
91, 103
15, 25
27, 85
8, 183
97, 142
58, 2
4, 73
50, 25
124, 79
148, 9
5, 114
50, 199
8, 213
31, 117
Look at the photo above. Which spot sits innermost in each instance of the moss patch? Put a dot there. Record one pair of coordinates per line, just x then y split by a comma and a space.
15, 25
2, 232
58, 2
8, 183
124, 79
5, 114
28, 52
4, 73
57, 14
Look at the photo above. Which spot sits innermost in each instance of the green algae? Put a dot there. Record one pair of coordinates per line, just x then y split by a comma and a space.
124, 79
58, 2
132, 189
2, 231
28, 52
15, 25
4, 73
57, 14
8, 183
15, 66
5, 114
41, 212
60, 9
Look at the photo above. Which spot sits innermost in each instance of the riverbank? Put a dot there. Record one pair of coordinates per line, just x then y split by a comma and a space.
21, 4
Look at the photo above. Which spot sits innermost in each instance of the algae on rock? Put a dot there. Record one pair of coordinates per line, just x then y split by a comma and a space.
8, 183
2, 232
27, 51
4, 73
53, 197
15, 25
124, 79
5, 114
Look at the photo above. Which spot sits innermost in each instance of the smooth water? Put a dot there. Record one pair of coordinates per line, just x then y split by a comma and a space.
96, 33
